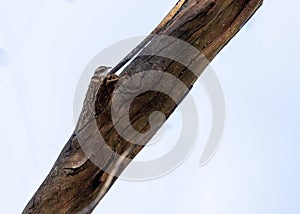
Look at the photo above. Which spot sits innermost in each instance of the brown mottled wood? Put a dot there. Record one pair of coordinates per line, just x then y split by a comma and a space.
75, 184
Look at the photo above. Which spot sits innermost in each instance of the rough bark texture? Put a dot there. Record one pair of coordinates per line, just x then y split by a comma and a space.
75, 184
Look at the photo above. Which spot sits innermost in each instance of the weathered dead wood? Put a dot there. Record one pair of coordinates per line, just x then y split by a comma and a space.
75, 184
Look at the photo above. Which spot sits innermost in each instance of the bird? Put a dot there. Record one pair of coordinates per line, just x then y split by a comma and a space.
88, 112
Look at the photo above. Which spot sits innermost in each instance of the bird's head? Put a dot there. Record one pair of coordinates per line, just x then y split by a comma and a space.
102, 70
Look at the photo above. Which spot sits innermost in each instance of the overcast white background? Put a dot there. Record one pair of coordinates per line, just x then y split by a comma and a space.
44, 47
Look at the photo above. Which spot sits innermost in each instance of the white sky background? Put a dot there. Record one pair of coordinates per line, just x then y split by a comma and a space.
44, 47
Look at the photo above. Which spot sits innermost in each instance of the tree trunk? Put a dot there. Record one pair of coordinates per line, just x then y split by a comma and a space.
86, 168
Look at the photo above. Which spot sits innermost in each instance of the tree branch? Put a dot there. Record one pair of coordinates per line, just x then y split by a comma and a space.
76, 183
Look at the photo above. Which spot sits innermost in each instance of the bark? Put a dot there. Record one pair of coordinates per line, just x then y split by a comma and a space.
75, 184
